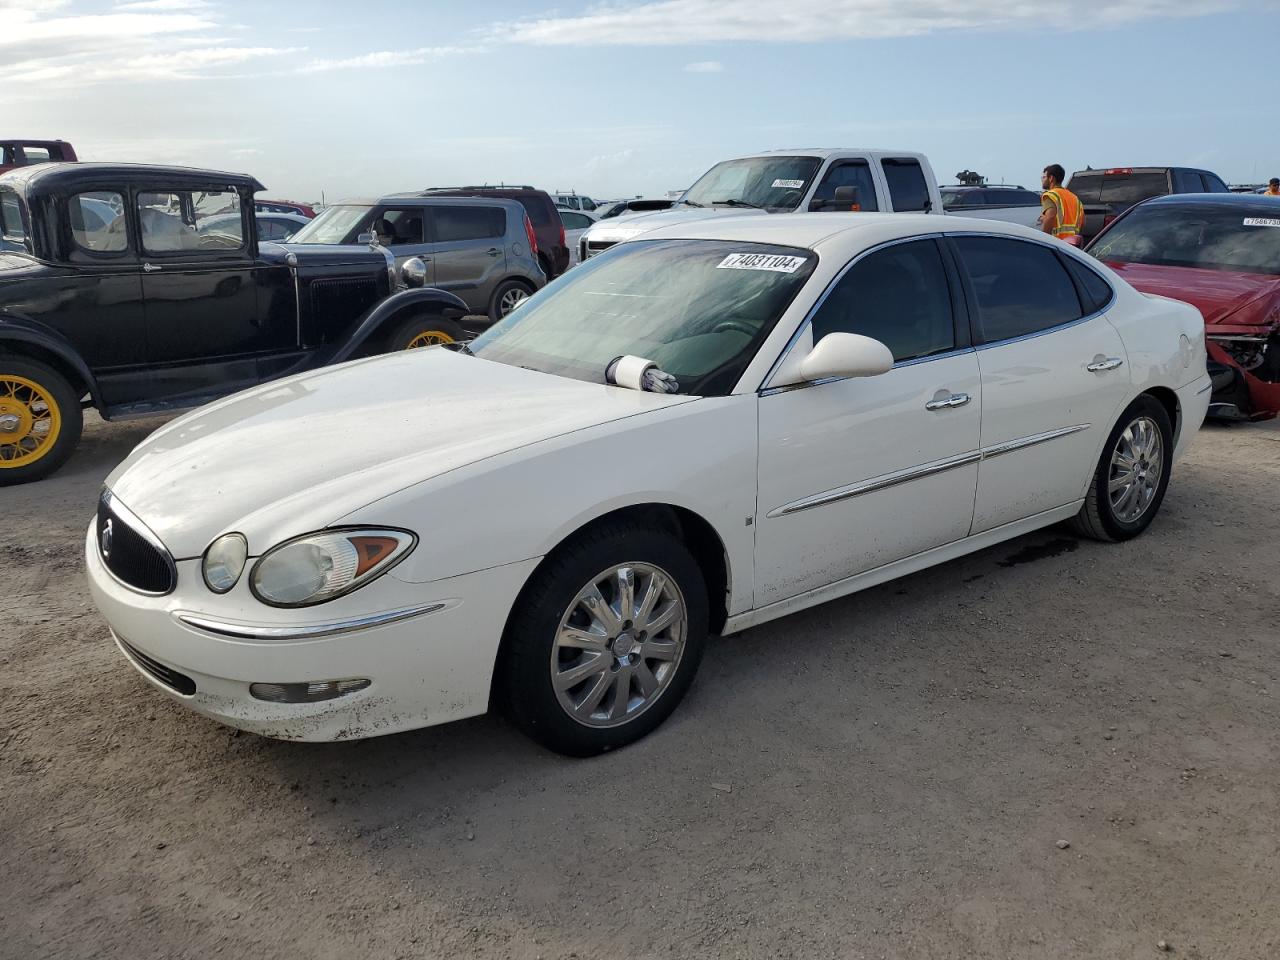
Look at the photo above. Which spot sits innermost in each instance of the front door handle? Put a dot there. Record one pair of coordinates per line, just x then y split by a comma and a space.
150, 267
951, 400
1108, 363
494, 251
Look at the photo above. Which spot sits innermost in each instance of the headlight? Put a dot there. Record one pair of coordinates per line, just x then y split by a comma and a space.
414, 272
327, 564
224, 562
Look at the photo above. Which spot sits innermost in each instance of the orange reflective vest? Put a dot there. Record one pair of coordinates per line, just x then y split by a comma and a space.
1070, 212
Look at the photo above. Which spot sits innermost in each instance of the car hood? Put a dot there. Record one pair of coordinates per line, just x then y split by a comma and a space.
1218, 294
626, 228
295, 455
322, 254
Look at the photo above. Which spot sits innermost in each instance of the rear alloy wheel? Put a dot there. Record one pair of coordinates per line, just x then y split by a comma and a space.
1132, 475
507, 297
426, 330
40, 420
605, 640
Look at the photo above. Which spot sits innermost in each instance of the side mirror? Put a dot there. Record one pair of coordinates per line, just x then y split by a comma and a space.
845, 198
845, 355
367, 238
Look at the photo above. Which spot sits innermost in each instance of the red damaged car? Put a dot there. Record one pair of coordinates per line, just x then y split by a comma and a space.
1220, 253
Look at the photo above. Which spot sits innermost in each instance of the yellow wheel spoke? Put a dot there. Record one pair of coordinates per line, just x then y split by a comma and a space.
34, 421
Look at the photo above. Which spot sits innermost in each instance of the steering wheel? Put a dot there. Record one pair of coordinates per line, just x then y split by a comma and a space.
740, 326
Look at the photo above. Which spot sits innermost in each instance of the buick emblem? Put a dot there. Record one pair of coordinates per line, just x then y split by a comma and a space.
106, 538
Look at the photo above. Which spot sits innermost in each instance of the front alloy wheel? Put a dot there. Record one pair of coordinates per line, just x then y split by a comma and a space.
605, 638
619, 644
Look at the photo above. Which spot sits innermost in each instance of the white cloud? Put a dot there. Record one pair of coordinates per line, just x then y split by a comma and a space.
165, 5
386, 58
686, 22
704, 66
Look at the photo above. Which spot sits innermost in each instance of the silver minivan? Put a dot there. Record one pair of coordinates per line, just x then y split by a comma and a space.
481, 250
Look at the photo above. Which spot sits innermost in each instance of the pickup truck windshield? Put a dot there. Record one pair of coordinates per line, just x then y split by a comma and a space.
333, 225
699, 309
1208, 236
770, 183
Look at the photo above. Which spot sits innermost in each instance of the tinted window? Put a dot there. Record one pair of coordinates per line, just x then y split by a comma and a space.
848, 173
175, 221
1189, 182
1020, 287
1126, 190
1213, 184
1087, 186
1211, 235
542, 212
455, 224
401, 226
97, 221
11, 225
1095, 292
908, 191
898, 296
1013, 198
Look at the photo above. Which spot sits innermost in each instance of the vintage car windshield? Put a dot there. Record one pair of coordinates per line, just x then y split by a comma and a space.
697, 308
334, 224
770, 183
1205, 235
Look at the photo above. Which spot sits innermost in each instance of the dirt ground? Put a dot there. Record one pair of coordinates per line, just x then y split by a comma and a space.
888, 775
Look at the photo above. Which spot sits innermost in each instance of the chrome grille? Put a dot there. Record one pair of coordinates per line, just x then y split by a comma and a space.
592, 247
132, 553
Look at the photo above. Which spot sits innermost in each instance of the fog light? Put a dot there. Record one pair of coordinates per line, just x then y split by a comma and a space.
305, 692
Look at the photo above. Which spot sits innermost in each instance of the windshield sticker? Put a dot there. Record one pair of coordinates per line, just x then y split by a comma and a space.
789, 184
1261, 222
761, 261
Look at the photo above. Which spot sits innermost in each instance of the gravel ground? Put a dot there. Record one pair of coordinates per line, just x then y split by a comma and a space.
1049, 749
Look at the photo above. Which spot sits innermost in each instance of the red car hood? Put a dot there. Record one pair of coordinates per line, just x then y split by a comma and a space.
1218, 294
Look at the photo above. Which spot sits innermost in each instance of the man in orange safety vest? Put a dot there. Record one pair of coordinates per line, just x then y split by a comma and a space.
1063, 215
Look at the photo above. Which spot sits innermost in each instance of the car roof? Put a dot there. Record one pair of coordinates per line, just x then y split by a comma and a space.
416, 200
1244, 201
982, 186
825, 153
1102, 171
44, 178
818, 231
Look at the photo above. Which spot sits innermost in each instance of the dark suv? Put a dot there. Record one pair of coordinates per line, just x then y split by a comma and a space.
141, 290
553, 252
1105, 194
481, 249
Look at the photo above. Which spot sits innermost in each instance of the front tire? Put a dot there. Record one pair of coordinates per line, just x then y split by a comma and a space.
1131, 477
425, 330
40, 420
605, 640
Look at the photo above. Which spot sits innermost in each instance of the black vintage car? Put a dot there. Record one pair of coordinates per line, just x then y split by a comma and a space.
141, 289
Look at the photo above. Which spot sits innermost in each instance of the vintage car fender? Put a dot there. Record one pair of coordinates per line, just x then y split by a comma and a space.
394, 308
16, 329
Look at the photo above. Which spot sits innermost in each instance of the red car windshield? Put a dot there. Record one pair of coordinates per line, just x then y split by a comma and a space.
1209, 236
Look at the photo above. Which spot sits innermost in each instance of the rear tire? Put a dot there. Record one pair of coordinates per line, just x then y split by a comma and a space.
425, 330
506, 296
587, 662
40, 420
1132, 475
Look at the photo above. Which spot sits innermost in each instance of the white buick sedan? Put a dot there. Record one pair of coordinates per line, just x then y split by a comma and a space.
690, 434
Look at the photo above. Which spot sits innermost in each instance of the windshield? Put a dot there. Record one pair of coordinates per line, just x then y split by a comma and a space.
770, 183
699, 309
1205, 235
333, 225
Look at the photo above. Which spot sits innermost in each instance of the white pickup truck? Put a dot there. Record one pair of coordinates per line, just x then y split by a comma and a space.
791, 181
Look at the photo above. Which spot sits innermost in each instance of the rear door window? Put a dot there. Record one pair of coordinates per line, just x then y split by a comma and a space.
1020, 287
847, 173
456, 224
181, 221
1213, 183
908, 191
1189, 181
33, 154
12, 226
575, 221
1094, 291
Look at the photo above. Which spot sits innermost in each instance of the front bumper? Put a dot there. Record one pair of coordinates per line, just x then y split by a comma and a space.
428, 667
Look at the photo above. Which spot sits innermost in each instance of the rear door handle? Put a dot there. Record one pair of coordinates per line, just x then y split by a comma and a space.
494, 251
951, 400
1109, 363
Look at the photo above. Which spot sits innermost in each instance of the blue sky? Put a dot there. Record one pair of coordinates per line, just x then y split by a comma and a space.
632, 98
